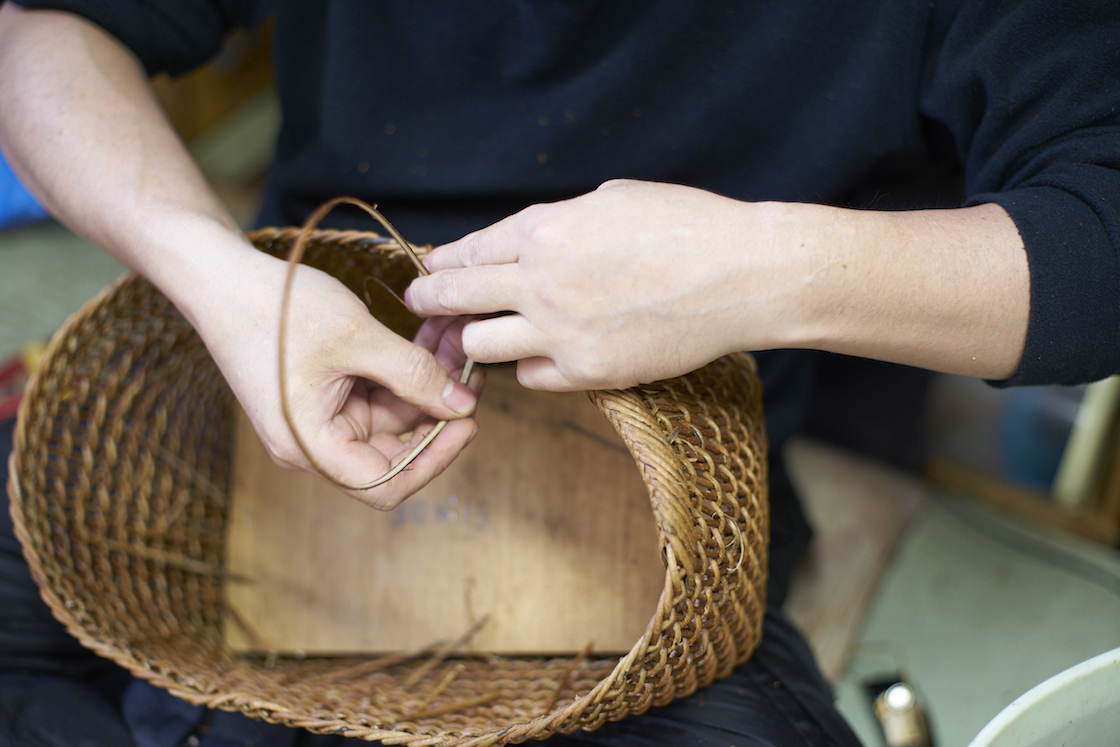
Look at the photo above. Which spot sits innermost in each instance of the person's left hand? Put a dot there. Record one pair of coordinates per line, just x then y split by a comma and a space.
624, 285
638, 281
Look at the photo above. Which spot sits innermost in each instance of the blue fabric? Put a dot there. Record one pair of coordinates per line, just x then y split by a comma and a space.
42, 710
156, 720
17, 205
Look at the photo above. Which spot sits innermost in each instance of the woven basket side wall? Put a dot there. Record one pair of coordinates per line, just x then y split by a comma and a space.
706, 476
347, 256
119, 494
120, 484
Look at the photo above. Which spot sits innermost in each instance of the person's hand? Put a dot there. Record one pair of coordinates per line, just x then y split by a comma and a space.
353, 385
638, 281
91, 140
627, 284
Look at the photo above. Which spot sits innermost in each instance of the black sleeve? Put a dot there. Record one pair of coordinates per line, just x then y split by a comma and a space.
1030, 91
171, 36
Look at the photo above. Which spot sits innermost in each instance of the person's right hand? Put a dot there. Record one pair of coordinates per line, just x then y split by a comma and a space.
353, 385
84, 132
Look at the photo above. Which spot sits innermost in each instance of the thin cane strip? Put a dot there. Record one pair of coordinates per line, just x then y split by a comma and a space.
739, 542
171, 560
435, 692
457, 706
423, 670
371, 666
567, 675
383, 284
250, 632
294, 258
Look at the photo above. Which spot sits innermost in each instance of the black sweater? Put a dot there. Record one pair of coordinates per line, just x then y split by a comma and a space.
452, 115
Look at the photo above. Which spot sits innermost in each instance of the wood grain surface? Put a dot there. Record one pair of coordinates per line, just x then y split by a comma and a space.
542, 527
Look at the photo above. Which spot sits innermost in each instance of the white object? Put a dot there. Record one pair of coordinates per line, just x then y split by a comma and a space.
1078, 708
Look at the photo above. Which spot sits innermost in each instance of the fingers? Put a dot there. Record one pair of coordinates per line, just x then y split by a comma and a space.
495, 245
500, 339
443, 337
349, 387
360, 445
479, 273
356, 463
412, 373
492, 339
541, 373
432, 461
466, 291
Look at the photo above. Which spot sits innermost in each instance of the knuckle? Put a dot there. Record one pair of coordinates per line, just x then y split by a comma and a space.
423, 371
541, 230
447, 291
473, 343
379, 500
470, 251
590, 370
553, 295
528, 376
286, 454
588, 376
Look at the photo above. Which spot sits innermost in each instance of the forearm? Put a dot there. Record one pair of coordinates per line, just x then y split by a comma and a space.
638, 281
82, 128
947, 290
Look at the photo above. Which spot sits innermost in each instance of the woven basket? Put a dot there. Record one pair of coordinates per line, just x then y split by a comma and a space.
119, 487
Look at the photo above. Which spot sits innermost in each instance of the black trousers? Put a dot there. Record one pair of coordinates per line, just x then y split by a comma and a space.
777, 699
54, 693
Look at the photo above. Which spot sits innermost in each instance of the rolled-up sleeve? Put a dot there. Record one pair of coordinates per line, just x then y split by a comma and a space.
1030, 92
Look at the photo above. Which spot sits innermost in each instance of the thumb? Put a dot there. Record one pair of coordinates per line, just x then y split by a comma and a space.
413, 374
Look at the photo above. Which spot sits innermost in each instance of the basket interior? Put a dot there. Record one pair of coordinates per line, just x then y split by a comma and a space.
120, 486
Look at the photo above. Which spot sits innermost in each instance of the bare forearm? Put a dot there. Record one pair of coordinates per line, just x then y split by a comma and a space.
947, 290
638, 281
83, 130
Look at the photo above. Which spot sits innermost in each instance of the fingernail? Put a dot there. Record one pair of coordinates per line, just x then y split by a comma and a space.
458, 397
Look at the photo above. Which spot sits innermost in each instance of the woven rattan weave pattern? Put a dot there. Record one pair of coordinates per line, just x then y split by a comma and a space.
119, 489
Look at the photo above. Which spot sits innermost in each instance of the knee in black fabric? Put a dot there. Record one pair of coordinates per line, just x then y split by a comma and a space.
790, 532
38, 710
777, 699
31, 639
788, 379
53, 691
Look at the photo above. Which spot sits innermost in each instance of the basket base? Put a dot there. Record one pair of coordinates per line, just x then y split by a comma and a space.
543, 527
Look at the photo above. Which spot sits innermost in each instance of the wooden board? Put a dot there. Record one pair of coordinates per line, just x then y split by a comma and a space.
542, 525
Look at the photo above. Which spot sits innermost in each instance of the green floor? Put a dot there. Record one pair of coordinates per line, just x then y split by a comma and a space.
47, 274
976, 609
